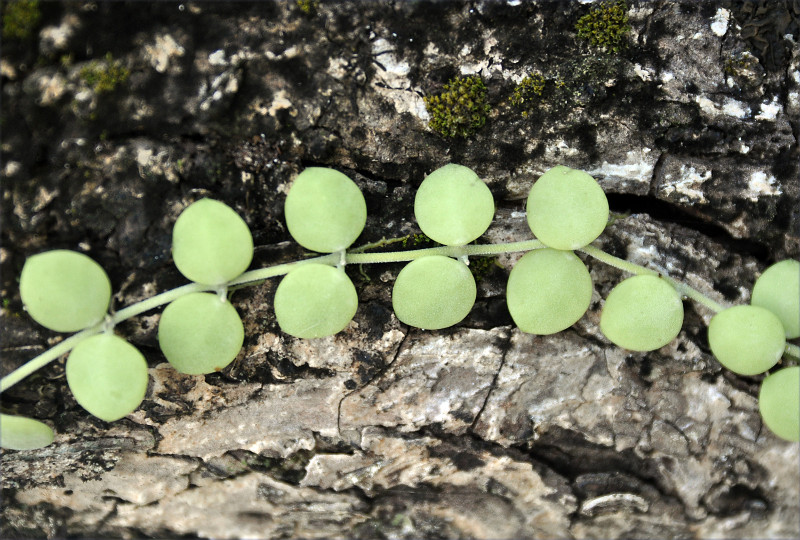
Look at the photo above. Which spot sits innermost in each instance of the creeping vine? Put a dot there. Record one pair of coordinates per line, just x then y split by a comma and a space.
548, 290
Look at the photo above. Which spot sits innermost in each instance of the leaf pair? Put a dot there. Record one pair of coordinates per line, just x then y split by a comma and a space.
67, 291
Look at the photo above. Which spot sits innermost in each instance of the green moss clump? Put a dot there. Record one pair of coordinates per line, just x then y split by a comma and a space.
20, 18
461, 109
308, 7
527, 92
740, 65
416, 241
482, 267
106, 76
605, 26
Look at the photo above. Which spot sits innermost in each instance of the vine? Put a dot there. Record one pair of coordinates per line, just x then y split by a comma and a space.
549, 289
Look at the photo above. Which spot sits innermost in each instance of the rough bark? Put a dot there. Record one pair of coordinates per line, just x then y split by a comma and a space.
479, 431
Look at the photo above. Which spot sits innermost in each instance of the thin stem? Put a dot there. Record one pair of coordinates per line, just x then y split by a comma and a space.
356, 256
254, 277
695, 295
616, 262
633, 268
159, 300
448, 251
47, 356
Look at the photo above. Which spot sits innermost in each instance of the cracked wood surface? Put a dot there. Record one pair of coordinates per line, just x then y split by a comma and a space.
385, 431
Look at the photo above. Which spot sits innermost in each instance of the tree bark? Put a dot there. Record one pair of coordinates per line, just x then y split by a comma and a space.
477, 431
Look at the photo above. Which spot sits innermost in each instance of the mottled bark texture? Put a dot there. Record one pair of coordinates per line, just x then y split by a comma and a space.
386, 431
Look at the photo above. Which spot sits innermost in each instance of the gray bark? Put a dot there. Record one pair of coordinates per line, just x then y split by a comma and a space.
479, 431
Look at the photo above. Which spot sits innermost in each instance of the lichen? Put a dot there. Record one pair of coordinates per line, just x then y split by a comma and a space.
605, 26
461, 109
105, 76
20, 18
527, 92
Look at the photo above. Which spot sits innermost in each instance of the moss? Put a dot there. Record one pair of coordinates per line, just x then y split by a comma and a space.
416, 241
461, 109
308, 7
20, 18
527, 92
105, 76
740, 65
605, 26
482, 267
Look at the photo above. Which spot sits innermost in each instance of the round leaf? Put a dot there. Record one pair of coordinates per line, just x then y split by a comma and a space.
107, 376
64, 290
433, 292
778, 290
315, 300
21, 433
567, 208
747, 340
642, 313
211, 244
200, 333
779, 403
325, 210
453, 206
548, 291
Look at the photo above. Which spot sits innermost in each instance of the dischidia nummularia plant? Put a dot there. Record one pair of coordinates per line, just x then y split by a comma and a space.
548, 290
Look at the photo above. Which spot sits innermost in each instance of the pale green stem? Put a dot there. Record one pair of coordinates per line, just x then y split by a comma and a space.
254, 277
353, 257
449, 251
632, 268
48, 356
616, 262
380, 243
158, 300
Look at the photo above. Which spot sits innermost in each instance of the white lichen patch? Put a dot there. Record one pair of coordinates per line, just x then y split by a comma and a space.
729, 107
391, 80
737, 109
160, 53
11, 168
770, 110
50, 87
719, 24
337, 68
643, 73
217, 58
687, 185
151, 163
223, 85
490, 64
637, 167
762, 185
558, 150
53, 39
7, 69
280, 102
